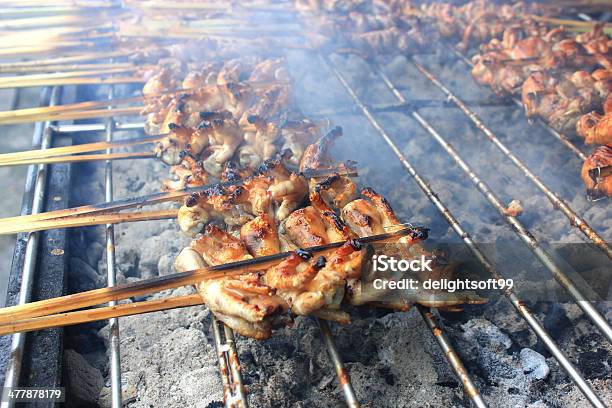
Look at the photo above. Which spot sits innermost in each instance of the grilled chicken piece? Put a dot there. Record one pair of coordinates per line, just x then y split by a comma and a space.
214, 203
184, 109
259, 143
306, 228
318, 155
260, 236
311, 285
336, 190
297, 135
596, 173
237, 204
190, 173
270, 70
225, 136
162, 82
180, 142
370, 216
269, 102
596, 128
288, 190
242, 303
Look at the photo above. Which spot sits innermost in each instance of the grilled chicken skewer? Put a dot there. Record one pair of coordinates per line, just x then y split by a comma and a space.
299, 284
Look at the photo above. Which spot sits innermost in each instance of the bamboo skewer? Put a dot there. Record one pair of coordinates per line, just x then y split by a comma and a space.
78, 106
38, 222
55, 68
46, 48
99, 219
77, 81
81, 158
91, 56
117, 205
102, 313
74, 115
567, 22
57, 75
9, 315
81, 148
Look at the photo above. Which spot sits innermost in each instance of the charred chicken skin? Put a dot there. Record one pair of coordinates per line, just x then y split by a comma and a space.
596, 173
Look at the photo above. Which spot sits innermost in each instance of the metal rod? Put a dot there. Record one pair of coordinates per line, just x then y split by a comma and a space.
223, 364
234, 393
343, 376
555, 133
114, 341
558, 203
240, 398
42, 136
516, 225
465, 236
452, 357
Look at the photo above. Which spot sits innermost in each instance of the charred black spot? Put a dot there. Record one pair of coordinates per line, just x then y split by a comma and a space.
368, 191
338, 223
204, 125
191, 201
327, 182
356, 244
216, 190
253, 119
334, 133
302, 253
172, 126
320, 262
182, 154
421, 233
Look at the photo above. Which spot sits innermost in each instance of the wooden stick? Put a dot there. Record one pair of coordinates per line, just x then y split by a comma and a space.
567, 22
81, 158
100, 219
73, 3
91, 56
78, 19
46, 48
78, 81
102, 313
56, 75
78, 106
74, 115
98, 296
23, 222
6, 224
56, 68
81, 148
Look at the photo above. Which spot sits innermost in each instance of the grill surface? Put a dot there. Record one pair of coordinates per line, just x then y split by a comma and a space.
351, 81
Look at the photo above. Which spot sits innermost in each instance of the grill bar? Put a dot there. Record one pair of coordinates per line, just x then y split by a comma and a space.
558, 203
234, 393
343, 376
516, 225
453, 358
465, 236
42, 136
555, 133
114, 341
